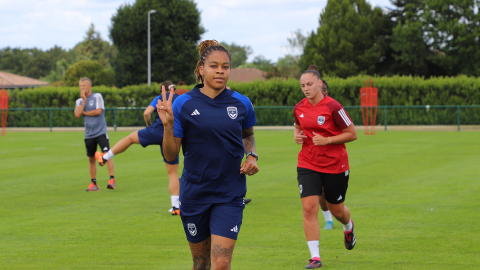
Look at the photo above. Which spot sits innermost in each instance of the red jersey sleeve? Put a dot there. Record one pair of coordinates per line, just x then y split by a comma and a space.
295, 115
340, 116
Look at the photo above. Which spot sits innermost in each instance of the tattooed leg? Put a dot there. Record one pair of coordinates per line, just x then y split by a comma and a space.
201, 254
222, 251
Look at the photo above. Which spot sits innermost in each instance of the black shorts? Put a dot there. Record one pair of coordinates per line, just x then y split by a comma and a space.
311, 182
91, 144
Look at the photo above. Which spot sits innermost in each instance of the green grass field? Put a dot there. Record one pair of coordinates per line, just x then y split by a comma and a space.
414, 197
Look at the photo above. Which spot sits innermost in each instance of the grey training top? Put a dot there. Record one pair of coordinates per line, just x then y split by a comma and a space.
94, 125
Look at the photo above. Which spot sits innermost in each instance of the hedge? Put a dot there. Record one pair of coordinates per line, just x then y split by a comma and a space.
397, 90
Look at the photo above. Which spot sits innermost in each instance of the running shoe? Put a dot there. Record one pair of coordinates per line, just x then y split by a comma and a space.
175, 211
350, 238
328, 225
247, 200
99, 158
92, 187
314, 263
111, 184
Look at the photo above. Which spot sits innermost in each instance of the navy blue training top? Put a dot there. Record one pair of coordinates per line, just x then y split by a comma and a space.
211, 132
157, 123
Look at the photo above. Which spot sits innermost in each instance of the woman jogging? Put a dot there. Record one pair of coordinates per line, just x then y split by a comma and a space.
327, 215
214, 126
152, 135
323, 127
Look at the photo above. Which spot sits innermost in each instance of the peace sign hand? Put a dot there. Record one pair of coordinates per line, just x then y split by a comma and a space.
164, 108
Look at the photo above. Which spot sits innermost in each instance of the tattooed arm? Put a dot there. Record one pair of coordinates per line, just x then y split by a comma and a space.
249, 166
248, 140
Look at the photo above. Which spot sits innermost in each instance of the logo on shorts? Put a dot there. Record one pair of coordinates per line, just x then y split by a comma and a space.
105, 148
321, 120
232, 112
90, 103
192, 229
301, 188
234, 229
339, 198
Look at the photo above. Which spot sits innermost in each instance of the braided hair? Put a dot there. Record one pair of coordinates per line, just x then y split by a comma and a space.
205, 48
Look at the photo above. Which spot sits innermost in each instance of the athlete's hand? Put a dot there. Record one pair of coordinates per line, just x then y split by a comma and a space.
83, 95
319, 139
300, 137
164, 108
249, 166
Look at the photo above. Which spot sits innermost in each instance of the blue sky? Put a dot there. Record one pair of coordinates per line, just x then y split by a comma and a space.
264, 25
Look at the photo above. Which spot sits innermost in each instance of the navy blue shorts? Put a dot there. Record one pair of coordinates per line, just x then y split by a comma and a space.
202, 220
148, 136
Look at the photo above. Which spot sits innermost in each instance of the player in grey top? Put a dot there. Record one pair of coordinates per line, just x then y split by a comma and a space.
91, 106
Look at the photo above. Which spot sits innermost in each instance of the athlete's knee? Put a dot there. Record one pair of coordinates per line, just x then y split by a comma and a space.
309, 211
338, 213
223, 263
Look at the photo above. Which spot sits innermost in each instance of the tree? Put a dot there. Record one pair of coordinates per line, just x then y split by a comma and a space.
297, 42
93, 47
239, 53
436, 37
348, 41
94, 70
453, 31
175, 32
287, 66
259, 62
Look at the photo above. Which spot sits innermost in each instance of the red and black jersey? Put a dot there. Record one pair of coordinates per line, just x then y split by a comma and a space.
327, 118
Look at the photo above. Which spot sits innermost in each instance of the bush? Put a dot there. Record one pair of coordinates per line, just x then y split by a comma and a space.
396, 90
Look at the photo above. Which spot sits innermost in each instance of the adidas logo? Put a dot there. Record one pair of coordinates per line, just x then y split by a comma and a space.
235, 229
195, 112
301, 115
339, 198
105, 148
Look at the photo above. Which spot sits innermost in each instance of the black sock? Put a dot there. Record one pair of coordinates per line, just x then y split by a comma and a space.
94, 180
111, 177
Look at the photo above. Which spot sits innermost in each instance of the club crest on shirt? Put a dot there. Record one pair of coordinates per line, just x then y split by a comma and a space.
232, 112
192, 229
321, 120
90, 103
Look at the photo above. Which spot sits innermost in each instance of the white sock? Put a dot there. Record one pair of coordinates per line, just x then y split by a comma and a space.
108, 155
314, 247
327, 215
348, 227
174, 199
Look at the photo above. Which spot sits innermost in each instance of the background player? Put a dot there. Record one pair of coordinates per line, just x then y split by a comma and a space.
92, 107
152, 135
214, 126
327, 215
323, 127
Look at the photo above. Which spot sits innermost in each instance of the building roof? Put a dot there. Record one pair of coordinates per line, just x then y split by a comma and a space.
11, 81
247, 74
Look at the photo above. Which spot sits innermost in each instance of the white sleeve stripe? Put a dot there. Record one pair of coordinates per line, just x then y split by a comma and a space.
345, 117
99, 102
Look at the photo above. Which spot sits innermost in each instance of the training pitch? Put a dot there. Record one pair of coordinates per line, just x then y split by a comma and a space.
414, 198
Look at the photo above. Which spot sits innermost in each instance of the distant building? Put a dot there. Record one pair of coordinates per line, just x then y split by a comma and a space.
12, 81
247, 75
